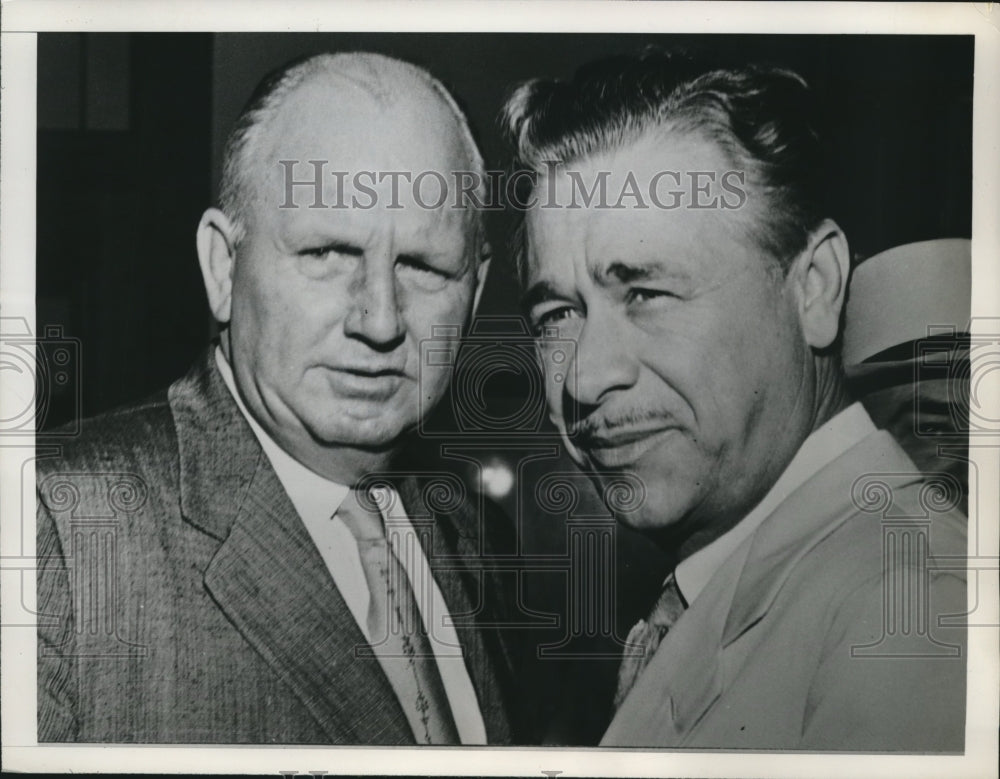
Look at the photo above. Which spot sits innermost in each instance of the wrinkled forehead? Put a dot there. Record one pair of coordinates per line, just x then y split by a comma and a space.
666, 195
414, 226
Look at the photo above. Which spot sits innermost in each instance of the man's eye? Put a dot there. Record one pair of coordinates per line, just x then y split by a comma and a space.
421, 266
333, 258
331, 251
643, 295
420, 271
551, 319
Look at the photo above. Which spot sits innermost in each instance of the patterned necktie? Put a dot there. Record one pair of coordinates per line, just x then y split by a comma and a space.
396, 631
648, 633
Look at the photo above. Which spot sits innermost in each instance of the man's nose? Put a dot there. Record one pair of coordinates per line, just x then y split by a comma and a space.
604, 363
375, 317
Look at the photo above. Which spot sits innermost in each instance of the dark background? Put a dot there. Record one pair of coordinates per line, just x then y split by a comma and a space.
130, 132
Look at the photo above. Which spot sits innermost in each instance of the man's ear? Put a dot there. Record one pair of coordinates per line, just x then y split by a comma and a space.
216, 255
819, 277
485, 256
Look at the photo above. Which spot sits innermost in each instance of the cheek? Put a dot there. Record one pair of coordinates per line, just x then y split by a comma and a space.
551, 376
278, 331
769, 343
553, 381
290, 312
759, 365
260, 299
690, 352
425, 311
433, 384
705, 365
558, 363
249, 316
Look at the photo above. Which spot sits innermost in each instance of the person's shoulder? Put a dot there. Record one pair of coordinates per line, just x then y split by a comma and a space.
923, 510
874, 495
901, 532
917, 537
116, 439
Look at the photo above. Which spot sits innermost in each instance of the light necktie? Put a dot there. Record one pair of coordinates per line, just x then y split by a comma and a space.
396, 632
648, 633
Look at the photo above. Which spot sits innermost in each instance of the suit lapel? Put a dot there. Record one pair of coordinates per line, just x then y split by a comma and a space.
451, 543
808, 516
267, 576
687, 675
683, 679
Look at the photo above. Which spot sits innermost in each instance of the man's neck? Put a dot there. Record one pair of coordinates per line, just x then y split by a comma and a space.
821, 448
342, 464
832, 397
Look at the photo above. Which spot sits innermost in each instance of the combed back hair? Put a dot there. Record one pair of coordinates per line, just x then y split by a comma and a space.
241, 155
759, 115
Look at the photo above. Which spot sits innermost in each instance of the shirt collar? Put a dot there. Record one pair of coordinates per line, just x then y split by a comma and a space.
314, 496
821, 448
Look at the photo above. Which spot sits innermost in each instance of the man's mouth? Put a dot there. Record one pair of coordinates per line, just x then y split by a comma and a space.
618, 447
368, 381
373, 371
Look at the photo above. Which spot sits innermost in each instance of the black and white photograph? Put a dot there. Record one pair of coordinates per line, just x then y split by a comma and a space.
619, 399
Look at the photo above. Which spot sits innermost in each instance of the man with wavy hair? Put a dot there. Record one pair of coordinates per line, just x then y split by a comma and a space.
676, 231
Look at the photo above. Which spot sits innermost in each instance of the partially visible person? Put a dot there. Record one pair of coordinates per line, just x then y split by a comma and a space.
906, 350
704, 293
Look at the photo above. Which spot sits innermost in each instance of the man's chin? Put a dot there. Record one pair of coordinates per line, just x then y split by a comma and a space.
647, 520
670, 532
366, 434
644, 501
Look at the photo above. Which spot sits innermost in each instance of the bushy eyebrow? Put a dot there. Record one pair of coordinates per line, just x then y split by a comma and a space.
627, 272
616, 272
341, 247
539, 292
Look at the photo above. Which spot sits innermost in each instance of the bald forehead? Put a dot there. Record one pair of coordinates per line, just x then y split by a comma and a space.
381, 78
353, 118
375, 100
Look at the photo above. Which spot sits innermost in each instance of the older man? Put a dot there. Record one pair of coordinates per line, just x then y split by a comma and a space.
273, 572
675, 231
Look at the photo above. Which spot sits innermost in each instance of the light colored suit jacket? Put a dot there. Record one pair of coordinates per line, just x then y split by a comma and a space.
182, 600
822, 631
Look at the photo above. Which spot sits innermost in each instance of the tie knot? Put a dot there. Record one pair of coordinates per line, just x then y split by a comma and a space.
668, 607
359, 511
647, 635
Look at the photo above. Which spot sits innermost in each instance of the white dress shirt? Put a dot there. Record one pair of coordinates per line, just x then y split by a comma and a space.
821, 448
316, 499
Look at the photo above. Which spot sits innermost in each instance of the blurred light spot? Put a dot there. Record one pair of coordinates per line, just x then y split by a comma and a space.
497, 480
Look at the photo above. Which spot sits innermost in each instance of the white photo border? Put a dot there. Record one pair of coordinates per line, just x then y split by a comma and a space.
21, 20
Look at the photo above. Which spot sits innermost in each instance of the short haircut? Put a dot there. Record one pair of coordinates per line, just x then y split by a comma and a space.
241, 152
759, 115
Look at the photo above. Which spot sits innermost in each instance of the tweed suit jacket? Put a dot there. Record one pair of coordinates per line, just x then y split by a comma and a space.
181, 599
836, 626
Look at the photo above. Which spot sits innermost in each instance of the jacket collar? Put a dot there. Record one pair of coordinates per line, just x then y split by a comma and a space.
271, 581
809, 515
219, 456
267, 576
686, 675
